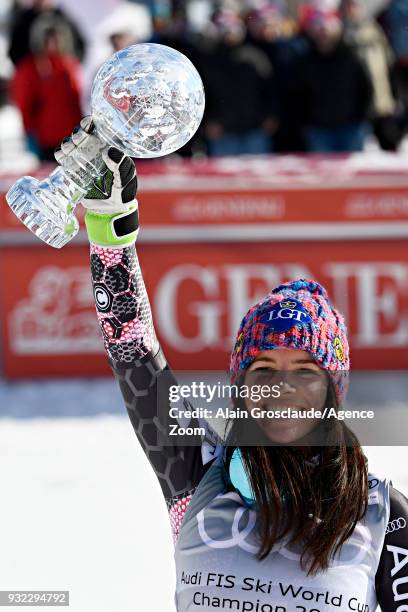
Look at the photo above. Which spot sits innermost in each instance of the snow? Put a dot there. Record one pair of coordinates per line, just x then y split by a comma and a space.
81, 508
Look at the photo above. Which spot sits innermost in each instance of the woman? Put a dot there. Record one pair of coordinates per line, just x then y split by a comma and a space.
308, 479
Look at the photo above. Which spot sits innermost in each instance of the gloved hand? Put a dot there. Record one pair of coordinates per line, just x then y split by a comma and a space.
112, 216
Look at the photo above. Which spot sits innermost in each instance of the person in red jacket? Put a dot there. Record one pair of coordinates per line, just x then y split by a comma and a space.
46, 88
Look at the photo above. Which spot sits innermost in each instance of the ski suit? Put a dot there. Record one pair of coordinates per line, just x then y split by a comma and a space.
215, 532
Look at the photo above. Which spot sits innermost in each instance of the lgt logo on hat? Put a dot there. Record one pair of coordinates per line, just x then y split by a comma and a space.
286, 314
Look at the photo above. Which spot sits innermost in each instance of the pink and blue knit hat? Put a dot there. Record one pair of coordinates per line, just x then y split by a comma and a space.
298, 315
312, 14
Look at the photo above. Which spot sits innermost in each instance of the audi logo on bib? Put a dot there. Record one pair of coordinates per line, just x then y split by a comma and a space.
243, 531
396, 524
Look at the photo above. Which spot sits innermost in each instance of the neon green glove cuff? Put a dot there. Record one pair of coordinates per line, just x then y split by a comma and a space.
117, 229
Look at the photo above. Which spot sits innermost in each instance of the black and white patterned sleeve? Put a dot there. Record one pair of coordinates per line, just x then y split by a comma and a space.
144, 377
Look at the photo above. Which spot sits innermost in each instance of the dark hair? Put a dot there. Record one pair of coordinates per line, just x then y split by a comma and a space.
287, 491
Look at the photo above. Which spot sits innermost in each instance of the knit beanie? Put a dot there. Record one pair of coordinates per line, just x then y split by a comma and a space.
297, 315
316, 13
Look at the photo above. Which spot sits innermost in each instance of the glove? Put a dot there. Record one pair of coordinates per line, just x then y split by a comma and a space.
112, 215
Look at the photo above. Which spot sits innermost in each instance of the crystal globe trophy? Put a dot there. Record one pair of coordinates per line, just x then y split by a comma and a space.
147, 100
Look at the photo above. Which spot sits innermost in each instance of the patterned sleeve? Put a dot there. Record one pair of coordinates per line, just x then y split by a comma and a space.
144, 377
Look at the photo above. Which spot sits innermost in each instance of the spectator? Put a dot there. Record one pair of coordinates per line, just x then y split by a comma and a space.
120, 40
46, 89
24, 21
271, 30
333, 86
238, 82
13, 155
129, 23
370, 42
395, 22
175, 31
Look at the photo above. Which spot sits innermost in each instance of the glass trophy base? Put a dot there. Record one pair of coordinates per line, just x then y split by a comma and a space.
46, 211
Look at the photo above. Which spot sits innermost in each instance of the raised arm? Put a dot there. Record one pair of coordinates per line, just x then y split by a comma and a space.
130, 340
142, 372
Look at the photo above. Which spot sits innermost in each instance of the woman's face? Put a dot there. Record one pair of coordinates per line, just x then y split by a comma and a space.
302, 385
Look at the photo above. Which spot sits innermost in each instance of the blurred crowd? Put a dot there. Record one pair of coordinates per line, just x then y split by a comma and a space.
280, 76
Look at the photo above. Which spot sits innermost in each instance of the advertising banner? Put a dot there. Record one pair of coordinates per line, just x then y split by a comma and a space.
199, 293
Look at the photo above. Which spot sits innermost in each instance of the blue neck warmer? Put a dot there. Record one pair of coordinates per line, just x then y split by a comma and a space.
239, 478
